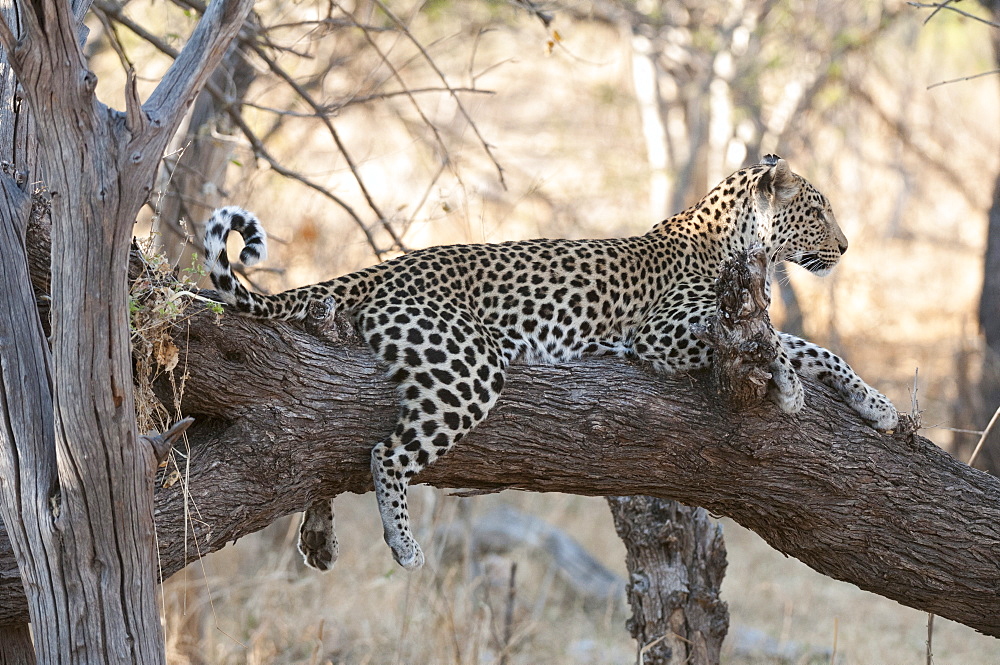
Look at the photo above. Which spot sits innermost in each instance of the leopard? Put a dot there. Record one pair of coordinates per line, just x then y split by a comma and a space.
446, 322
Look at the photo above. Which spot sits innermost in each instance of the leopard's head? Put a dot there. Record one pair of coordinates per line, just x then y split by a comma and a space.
803, 228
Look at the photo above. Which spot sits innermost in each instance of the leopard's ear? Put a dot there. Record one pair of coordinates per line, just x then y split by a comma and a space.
778, 185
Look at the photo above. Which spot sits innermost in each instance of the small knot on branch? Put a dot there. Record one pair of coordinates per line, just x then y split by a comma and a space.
162, 443
740, 332
326, 321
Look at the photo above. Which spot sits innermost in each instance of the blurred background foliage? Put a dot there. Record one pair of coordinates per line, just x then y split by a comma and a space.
361, 130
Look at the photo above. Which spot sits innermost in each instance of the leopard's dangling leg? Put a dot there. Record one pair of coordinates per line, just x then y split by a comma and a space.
318, 537
391, 472
450, 372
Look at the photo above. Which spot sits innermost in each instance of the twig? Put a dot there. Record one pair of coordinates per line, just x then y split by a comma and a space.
473, 75
938, 6
445, 155
325, 22
977, 432
963, 78
247, 41
426, 195
114, 11
114, 39
640, 658
333, 108
255, 143
278, 71
915, 411
461, 107
508, 619
930, 638
261, 152
251, 37
982, 439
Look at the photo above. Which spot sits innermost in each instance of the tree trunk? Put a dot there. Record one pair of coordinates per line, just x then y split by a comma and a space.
24, 380
77, 482
676, 560
989, 321
988, 399
18, 147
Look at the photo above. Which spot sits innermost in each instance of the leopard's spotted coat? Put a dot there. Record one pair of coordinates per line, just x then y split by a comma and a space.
447, 321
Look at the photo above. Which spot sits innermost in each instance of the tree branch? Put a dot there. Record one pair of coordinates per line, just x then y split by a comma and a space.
285, 417
195, 63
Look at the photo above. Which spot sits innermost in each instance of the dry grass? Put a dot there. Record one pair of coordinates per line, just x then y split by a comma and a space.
259, 604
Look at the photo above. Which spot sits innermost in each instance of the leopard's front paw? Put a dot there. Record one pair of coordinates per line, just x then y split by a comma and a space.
875, 408
785, 390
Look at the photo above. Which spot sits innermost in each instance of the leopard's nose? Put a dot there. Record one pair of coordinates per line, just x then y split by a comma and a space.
842, 247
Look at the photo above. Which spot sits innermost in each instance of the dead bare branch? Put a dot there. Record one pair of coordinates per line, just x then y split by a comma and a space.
963, 78
444, 79
256, 39
938, 6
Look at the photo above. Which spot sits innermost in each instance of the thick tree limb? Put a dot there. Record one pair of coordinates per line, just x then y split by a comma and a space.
284, 417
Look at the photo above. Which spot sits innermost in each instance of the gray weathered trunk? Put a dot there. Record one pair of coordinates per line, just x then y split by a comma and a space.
77, 495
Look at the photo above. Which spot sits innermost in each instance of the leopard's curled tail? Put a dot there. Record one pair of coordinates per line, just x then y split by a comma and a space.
289, 305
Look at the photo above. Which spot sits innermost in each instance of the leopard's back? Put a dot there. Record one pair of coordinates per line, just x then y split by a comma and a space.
543, 300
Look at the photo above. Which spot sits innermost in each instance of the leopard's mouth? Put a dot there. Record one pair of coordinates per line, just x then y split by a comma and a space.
814, 262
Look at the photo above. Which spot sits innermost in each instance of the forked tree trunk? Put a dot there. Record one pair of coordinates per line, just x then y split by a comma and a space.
77, 495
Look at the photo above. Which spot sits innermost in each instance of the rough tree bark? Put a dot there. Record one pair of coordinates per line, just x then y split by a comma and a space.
18, 314
676, 560
676, 556
285, 416
76, 484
